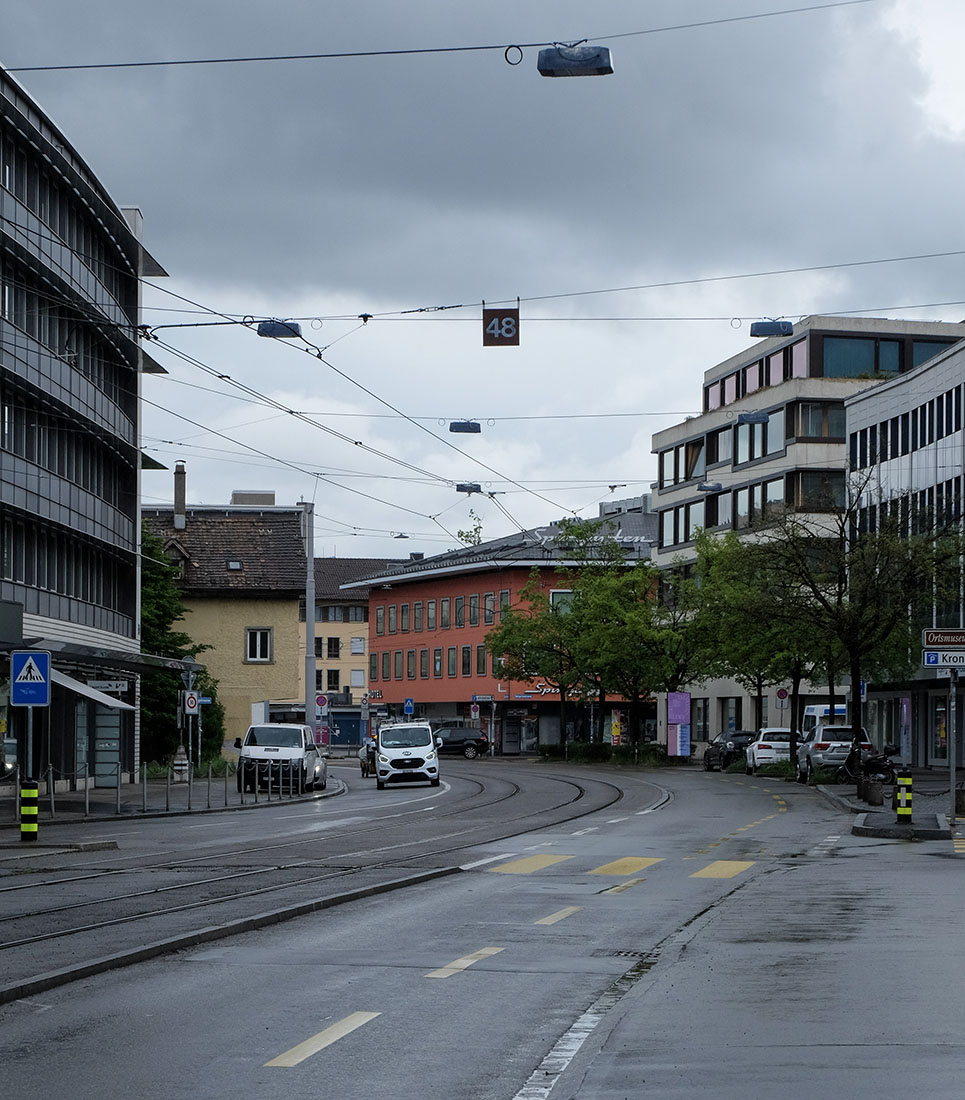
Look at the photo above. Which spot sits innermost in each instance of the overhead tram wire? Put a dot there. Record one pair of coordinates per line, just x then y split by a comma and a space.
317, 352
421, 51
272, 403
298, 469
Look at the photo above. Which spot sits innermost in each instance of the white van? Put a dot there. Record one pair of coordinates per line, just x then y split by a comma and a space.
407, 753
281, 755
818, 713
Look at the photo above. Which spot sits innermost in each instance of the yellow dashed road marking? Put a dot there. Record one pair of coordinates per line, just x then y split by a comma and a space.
528, 864
322, 1039
561, 915
458, 965
627, 866
723, 868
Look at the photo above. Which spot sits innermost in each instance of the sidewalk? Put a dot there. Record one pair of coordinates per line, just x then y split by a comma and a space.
931, 805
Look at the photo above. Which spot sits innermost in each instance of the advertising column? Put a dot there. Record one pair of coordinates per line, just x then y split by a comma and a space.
678, 723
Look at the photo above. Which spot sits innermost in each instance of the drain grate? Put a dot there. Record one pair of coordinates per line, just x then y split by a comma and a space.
603, 953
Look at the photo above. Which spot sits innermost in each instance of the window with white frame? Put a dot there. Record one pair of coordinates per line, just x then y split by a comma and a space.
358, 646
357, 678
258, 643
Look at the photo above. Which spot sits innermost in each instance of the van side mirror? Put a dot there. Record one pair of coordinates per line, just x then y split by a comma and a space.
438, 742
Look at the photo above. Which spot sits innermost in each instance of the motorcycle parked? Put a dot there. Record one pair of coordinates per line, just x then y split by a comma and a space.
876, 766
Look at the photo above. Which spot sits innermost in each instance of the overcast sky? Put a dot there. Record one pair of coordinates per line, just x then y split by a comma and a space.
326, 189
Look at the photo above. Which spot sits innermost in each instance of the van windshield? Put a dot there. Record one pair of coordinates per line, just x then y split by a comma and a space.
277, 737
405, 737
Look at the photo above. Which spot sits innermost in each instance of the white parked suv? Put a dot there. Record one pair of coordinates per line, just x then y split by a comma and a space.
406, 753
281, 755
773, 743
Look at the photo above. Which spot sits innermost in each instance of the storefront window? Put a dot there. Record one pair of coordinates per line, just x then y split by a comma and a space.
938, 747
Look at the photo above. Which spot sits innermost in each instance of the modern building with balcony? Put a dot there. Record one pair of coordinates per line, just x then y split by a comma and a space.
773, 436
70, 363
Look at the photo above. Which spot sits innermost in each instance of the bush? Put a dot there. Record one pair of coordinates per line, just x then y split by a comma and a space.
782, 769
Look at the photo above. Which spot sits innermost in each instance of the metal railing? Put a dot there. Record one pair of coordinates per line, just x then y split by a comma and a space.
85, 794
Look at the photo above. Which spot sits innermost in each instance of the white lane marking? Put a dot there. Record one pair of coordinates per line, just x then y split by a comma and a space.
583, 832
617, 820
561, 915
323, 1039
458, 965
483, 862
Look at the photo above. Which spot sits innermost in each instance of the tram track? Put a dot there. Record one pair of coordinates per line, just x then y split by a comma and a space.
47, 931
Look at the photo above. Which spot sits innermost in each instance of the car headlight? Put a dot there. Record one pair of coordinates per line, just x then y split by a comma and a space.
430, 756
383, 759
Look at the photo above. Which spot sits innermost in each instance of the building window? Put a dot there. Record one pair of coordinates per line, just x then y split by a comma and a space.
258, 644
319, 680
357, 678
467, 660
474, 611
451, 661
319, 647
393, 618
357, 646
380, 620
373, 666
397, 662
424, 664
444, 613
334, 648
404, 618
503, 603
331, 680
410, 664
387, 665
460, 611
430, 614
437, 662
332, 614
480, 660
358, 614
695, 464
489, 608
417, 616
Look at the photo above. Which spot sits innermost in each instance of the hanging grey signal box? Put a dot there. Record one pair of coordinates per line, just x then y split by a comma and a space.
574, 61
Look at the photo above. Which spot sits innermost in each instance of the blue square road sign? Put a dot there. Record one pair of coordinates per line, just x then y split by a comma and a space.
29, 678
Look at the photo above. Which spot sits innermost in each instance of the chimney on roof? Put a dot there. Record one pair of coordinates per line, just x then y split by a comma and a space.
180, 478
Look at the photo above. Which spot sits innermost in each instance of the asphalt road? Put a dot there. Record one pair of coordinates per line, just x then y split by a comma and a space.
728, 938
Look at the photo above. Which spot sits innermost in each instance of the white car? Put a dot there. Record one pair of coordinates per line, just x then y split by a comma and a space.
773, 743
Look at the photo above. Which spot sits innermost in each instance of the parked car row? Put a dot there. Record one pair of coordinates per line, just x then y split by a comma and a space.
826, 746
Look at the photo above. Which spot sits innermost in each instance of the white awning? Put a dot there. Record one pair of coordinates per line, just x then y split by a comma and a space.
92, 693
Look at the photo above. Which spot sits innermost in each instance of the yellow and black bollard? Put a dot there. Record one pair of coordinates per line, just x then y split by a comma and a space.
903, 798
29, 809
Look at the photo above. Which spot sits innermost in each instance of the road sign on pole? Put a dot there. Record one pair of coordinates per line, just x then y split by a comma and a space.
939, 658
191, 702
408, 707
29, 678
932, 638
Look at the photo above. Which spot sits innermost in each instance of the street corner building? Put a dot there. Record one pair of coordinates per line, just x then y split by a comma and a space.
70, 367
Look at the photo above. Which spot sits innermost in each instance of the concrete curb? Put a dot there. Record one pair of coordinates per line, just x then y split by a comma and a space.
42, 982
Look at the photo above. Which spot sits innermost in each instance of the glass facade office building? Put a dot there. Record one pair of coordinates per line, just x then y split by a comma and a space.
70, 262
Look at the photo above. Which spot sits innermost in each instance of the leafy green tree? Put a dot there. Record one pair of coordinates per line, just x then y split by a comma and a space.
162, 608
856, 590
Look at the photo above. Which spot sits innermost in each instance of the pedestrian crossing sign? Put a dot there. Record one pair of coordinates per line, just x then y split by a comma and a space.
29, 678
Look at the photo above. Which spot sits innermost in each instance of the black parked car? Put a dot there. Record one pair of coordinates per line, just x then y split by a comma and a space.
466, 742
726, 747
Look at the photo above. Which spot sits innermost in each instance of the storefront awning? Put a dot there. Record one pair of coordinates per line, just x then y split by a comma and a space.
92, 693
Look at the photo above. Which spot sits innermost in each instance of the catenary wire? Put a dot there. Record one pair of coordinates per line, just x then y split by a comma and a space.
421, 51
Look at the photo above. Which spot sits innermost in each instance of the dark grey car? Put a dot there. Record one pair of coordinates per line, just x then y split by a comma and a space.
726, 747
